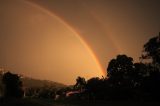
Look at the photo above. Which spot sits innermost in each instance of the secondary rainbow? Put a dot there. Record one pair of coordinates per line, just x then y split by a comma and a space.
88, 48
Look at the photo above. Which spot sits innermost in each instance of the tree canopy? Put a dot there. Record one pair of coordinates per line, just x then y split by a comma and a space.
13, 85
120, 68
152, 49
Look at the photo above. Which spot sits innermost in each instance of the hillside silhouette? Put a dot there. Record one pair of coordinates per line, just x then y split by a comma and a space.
32, 82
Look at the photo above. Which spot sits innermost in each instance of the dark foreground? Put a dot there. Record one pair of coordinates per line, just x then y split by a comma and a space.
47, 102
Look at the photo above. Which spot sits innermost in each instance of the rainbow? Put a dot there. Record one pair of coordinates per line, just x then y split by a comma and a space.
84, 43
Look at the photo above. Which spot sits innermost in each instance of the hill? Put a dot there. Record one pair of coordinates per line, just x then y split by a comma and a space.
31, 82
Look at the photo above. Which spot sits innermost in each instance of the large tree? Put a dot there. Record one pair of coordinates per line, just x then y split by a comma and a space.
120, 74
120, 68
80, 83
13, 85
152, 50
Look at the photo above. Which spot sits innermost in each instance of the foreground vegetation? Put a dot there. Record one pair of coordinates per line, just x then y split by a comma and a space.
125, 79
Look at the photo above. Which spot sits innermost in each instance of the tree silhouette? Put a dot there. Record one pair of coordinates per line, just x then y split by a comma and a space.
151, 81
80, 83
128, 80
13, 85
120, 75
120, 69
95, 87
152, 50
1, 87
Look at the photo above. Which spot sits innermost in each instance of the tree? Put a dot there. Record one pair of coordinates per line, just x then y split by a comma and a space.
13, 85
152, 50
80, 83
120, 68
151, 84
1, 87
120, 76
95, 88
141, 70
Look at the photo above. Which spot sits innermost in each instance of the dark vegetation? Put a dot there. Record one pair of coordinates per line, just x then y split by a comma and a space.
125, 81
12, 85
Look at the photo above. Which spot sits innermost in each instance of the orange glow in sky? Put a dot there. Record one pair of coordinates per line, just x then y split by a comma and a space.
43, 46
59, 40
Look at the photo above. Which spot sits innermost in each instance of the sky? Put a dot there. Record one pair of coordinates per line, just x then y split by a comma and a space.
59, 40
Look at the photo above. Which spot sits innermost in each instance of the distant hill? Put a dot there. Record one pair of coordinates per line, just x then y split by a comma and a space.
31, 82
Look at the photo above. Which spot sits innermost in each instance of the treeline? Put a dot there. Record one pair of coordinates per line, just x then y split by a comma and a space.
125, 79
12, 86
135, 84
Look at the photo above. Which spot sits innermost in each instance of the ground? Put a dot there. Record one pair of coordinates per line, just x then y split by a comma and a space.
47, 102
